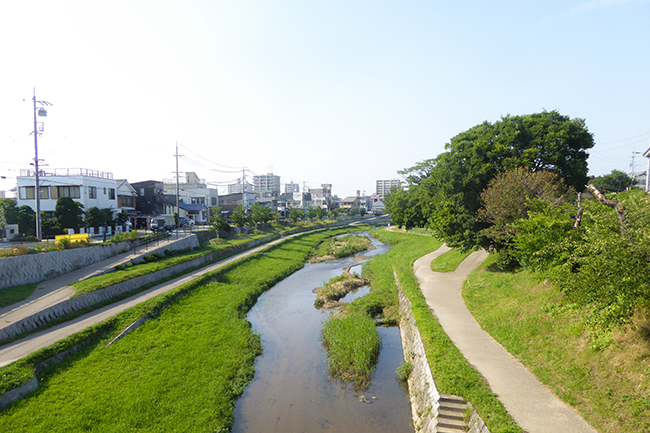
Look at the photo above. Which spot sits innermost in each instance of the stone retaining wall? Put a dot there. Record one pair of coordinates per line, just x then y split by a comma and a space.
422, 389
47, 315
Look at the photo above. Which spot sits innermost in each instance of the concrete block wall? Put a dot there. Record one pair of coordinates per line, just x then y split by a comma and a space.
32, 268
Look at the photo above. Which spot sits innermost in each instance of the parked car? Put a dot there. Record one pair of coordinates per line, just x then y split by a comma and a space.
163, 223
185, 221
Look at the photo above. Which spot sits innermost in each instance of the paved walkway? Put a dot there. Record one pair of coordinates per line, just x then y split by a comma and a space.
25, 346
532, 405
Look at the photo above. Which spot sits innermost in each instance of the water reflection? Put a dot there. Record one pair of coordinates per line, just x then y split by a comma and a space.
291, 391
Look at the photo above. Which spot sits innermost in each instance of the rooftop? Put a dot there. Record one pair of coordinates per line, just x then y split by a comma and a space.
67, 172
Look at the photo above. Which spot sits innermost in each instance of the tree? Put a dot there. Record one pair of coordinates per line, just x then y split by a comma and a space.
508, 197
68, 214
296, 214
26, 220
239, 216
602, 265
218, 221
614, 181
260, 214
455, 180
9, 210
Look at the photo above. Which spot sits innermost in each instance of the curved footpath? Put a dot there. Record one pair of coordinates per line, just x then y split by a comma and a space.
532, 405
58, 291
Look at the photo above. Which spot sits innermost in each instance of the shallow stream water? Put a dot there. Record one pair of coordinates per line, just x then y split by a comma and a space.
292, 391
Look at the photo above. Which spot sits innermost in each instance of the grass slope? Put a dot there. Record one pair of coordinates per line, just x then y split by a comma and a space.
606, 379
181, 371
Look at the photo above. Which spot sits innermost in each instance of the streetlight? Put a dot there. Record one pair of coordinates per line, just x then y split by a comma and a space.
41, 112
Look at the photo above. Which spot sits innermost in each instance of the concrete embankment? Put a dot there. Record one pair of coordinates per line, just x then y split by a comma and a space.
96, 297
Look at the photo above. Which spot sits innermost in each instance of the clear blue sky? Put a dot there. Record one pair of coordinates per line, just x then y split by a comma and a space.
341, 92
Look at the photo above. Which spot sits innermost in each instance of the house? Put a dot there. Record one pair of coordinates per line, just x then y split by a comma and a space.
193, 191
322, 197
91, 188
353, 203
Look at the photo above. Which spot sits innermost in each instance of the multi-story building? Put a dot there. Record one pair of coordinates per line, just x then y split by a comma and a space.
291, 187
321, 197
239, 187
384, 186
267, 188
91, 188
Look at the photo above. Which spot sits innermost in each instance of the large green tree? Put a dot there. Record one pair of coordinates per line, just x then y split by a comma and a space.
455, 179
9, 211
26, 220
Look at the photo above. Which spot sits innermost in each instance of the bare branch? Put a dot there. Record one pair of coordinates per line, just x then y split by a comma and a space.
614, 204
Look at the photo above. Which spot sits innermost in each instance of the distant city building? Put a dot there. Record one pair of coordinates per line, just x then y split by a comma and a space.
291, 188
239, 187
267, 187
384, 186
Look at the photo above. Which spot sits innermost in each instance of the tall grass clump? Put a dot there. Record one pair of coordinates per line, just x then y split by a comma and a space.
352, 343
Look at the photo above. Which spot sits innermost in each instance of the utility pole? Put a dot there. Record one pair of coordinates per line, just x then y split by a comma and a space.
37, 190
178, 210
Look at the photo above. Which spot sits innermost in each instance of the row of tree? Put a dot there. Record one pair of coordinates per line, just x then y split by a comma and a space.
68, 214
517, 188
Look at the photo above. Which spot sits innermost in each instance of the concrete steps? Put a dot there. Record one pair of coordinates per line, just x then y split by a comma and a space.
451, 414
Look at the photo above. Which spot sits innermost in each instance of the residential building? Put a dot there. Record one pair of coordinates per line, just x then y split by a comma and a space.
353, 203
267, 188
291, 187
91, 188
126, 195
193, 191
239, 187
384, 186
321, 197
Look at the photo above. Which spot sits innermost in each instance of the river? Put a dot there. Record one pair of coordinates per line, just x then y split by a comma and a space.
292, 391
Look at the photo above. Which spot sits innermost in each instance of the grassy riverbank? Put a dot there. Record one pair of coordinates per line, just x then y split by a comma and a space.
606, 377
180, 371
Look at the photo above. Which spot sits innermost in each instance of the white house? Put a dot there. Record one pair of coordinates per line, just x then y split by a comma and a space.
193, 191
91, 188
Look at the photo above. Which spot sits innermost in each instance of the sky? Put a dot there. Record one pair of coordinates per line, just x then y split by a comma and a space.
342, 92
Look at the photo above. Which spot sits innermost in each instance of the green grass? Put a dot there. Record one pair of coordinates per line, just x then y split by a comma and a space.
449, 261
138, 270
352, 343
181, 371
11, 295
605, 377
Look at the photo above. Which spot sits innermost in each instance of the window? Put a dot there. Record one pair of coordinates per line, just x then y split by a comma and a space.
71, 191
92, 192
111, 193
27, 193
214, 201
142, 192
104, 191
125, 201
